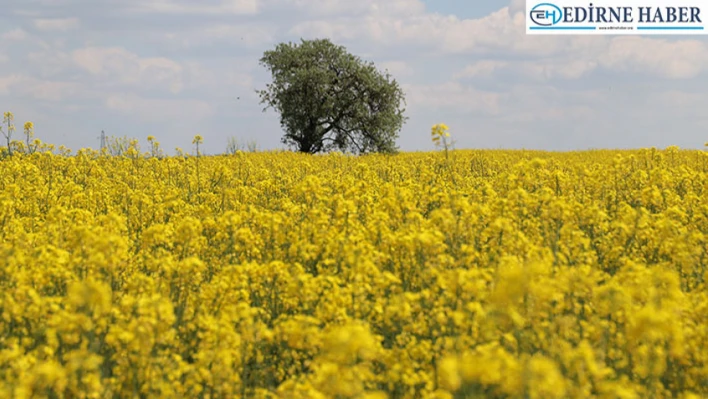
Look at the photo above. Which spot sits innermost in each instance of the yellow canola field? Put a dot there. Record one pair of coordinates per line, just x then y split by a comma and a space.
481, 274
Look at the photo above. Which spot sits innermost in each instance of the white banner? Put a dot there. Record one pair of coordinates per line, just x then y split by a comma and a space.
617, 17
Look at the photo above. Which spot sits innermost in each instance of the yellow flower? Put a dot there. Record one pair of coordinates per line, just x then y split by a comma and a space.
281, 275
448, 374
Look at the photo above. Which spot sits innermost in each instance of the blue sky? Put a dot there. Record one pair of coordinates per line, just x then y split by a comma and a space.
173, 68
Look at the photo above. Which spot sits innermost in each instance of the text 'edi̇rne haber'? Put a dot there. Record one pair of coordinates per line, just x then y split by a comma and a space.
628, 14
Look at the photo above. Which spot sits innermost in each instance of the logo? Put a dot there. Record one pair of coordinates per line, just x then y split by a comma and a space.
616, 17
546, 14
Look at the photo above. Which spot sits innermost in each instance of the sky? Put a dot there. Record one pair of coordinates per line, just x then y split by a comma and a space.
176, 68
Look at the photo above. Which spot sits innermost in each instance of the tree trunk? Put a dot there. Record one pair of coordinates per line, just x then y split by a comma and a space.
308, 142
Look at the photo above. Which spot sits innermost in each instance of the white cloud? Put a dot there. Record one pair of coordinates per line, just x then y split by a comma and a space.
7, 81
49, 62
484, 68
233, 7
156, 110
51, 91
539, 70
38, 89
349, 8
56, 24
248, 34
452, 96
502, 33
118, 65
98, 60
532, 103
566, 69
675, 59
444, 34
15, 34
680, 99
682, 59
162, 72
228, 77
339, 29
396, 68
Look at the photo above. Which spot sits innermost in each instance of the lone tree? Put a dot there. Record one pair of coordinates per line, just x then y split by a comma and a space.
329, 99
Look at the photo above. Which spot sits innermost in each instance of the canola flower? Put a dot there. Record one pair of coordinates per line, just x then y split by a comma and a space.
198, 139
440, 135
513, 274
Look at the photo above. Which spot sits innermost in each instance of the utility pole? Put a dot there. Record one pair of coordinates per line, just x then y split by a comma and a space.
103, 140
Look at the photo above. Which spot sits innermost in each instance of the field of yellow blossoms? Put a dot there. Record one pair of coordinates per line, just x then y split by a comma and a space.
460, 274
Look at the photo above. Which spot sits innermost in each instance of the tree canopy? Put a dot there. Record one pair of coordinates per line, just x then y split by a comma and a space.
329, 99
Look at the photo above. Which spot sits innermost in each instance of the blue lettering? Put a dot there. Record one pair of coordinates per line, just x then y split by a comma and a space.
695, 15
670, 15
551, 15
594, 14
590, 15
580, 14
601, 15
615, 14
657, 16
683, 14
568, 14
